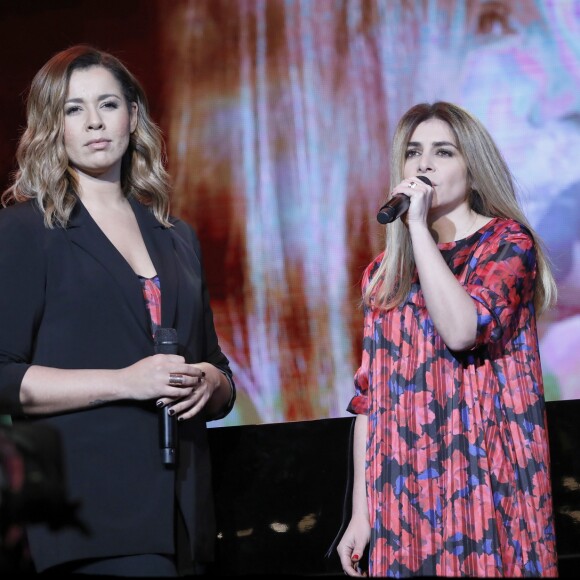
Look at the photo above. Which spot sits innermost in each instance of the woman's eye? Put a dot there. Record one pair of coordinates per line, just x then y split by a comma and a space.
71, 110
411, 153
110, 105
445, 153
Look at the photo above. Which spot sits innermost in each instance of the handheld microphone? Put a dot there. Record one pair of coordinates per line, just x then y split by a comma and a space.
397, 205
165, 341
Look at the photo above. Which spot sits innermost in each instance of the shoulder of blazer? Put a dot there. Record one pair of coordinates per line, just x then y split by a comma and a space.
24, 239
185, 235
23, 221
26, 211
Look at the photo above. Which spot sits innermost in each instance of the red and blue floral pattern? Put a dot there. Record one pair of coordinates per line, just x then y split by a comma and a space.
152, 296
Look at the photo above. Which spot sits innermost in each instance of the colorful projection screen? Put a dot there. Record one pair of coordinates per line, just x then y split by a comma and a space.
278, 116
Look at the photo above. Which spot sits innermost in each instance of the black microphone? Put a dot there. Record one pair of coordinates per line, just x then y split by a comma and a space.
397, 205
165, 341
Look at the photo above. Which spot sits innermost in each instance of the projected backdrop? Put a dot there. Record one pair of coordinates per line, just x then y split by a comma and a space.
278, 116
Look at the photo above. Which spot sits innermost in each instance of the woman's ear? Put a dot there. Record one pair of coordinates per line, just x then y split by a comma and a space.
134, 116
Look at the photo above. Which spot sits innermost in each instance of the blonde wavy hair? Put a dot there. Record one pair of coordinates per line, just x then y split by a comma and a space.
44, 173
495, 196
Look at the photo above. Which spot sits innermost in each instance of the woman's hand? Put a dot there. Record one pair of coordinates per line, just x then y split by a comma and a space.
205, 380
352, 546
185, 388
421, 197
166, 377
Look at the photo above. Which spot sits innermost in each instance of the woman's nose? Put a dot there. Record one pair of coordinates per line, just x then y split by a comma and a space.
94, 121
424, 164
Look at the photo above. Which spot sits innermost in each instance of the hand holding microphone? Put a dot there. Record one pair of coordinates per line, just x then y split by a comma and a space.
397, 205
166, 343
191, 378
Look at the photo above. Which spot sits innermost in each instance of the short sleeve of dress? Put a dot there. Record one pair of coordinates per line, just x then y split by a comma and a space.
501, 277
359, 404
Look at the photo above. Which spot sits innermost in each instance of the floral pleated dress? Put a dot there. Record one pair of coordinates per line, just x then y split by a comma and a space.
457, 463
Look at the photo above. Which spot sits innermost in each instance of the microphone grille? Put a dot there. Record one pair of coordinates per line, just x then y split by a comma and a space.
425, 180
165, 336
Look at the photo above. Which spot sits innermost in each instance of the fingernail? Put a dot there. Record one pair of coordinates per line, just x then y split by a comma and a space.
203, 373
171, 412
180, 418
159, 403
355, 556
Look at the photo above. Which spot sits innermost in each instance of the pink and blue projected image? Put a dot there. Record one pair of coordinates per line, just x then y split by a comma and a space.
278, 116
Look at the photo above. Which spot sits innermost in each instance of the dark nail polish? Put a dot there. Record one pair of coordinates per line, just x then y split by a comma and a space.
171, 412
159, 403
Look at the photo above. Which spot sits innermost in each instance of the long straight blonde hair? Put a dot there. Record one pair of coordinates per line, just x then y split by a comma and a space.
495, 196
44, 173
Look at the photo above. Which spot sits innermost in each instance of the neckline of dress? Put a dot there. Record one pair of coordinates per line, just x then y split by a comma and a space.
447, 245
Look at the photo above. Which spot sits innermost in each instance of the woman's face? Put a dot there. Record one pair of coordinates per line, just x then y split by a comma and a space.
97, 123
432, 151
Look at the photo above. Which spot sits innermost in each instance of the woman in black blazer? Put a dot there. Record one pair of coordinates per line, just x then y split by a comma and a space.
91, 265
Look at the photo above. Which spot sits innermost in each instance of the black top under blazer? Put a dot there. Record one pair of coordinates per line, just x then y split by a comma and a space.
68, 299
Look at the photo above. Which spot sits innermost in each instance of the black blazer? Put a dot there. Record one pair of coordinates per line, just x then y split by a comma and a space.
68, 299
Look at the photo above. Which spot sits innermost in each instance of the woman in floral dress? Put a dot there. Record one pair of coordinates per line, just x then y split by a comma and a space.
451, 456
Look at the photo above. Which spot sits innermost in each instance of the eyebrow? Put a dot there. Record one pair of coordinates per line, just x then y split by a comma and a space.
435, 144
100, 98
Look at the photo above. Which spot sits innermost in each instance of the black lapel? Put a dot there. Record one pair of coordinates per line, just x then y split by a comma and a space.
85, 233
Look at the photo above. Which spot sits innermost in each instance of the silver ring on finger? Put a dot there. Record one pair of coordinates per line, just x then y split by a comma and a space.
176, 379
412, 185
